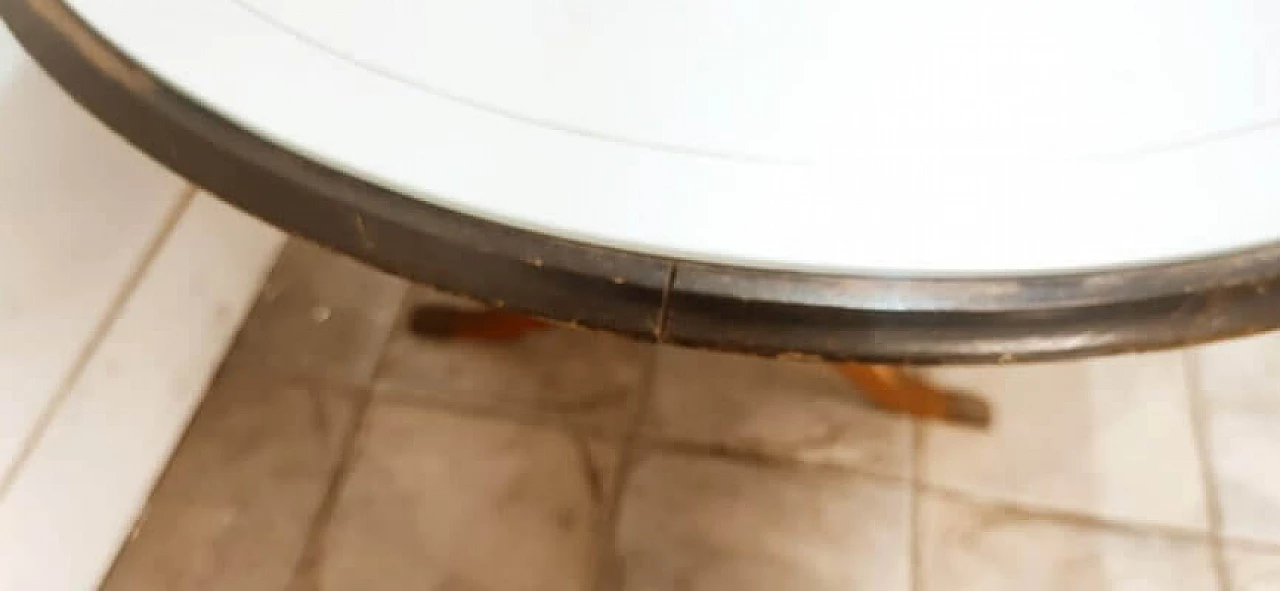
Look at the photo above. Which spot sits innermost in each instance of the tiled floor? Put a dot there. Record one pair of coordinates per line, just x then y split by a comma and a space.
337, 451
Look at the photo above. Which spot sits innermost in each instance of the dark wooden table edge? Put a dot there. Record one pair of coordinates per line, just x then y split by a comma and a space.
785, 314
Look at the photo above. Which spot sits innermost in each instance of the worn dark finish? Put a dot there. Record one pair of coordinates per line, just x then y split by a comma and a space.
975, 320
772, 313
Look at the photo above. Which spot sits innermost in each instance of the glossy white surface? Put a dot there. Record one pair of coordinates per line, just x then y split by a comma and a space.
906, 137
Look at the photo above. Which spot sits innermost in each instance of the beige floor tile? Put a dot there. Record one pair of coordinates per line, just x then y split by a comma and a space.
699, 524
320, 314
557, 373
1241, 383
441, 501
235, 506
774, 409
967, 547
1109, 437
1253, 569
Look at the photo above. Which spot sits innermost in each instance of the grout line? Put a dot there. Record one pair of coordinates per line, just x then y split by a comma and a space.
596, 482
915, 562
608, 575
1266, 546
402, 300
407, 400
430, 399
759, 460
633, 443
1252, 545
598, 555
1064, 516
312, 554
1204, 448
1067, 517
369, 379
100, 330
606, 569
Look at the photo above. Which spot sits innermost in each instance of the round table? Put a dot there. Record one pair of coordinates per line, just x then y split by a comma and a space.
916, 182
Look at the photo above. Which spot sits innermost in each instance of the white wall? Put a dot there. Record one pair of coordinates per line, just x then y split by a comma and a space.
120, 289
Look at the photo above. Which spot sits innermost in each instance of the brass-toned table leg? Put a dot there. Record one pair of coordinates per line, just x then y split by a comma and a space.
895, 389
493, 324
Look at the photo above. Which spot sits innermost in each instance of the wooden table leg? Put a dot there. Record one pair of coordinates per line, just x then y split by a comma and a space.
889, 387
895, 389
493, 325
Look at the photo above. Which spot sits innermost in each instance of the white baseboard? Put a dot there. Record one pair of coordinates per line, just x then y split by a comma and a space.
120, 291
84, 482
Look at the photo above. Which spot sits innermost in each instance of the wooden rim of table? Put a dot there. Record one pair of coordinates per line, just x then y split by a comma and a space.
787, 314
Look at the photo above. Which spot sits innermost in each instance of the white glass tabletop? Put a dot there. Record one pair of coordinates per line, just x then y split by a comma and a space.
896, 138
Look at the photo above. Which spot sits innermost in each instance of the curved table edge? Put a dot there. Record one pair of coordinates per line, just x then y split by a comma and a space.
778, 313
